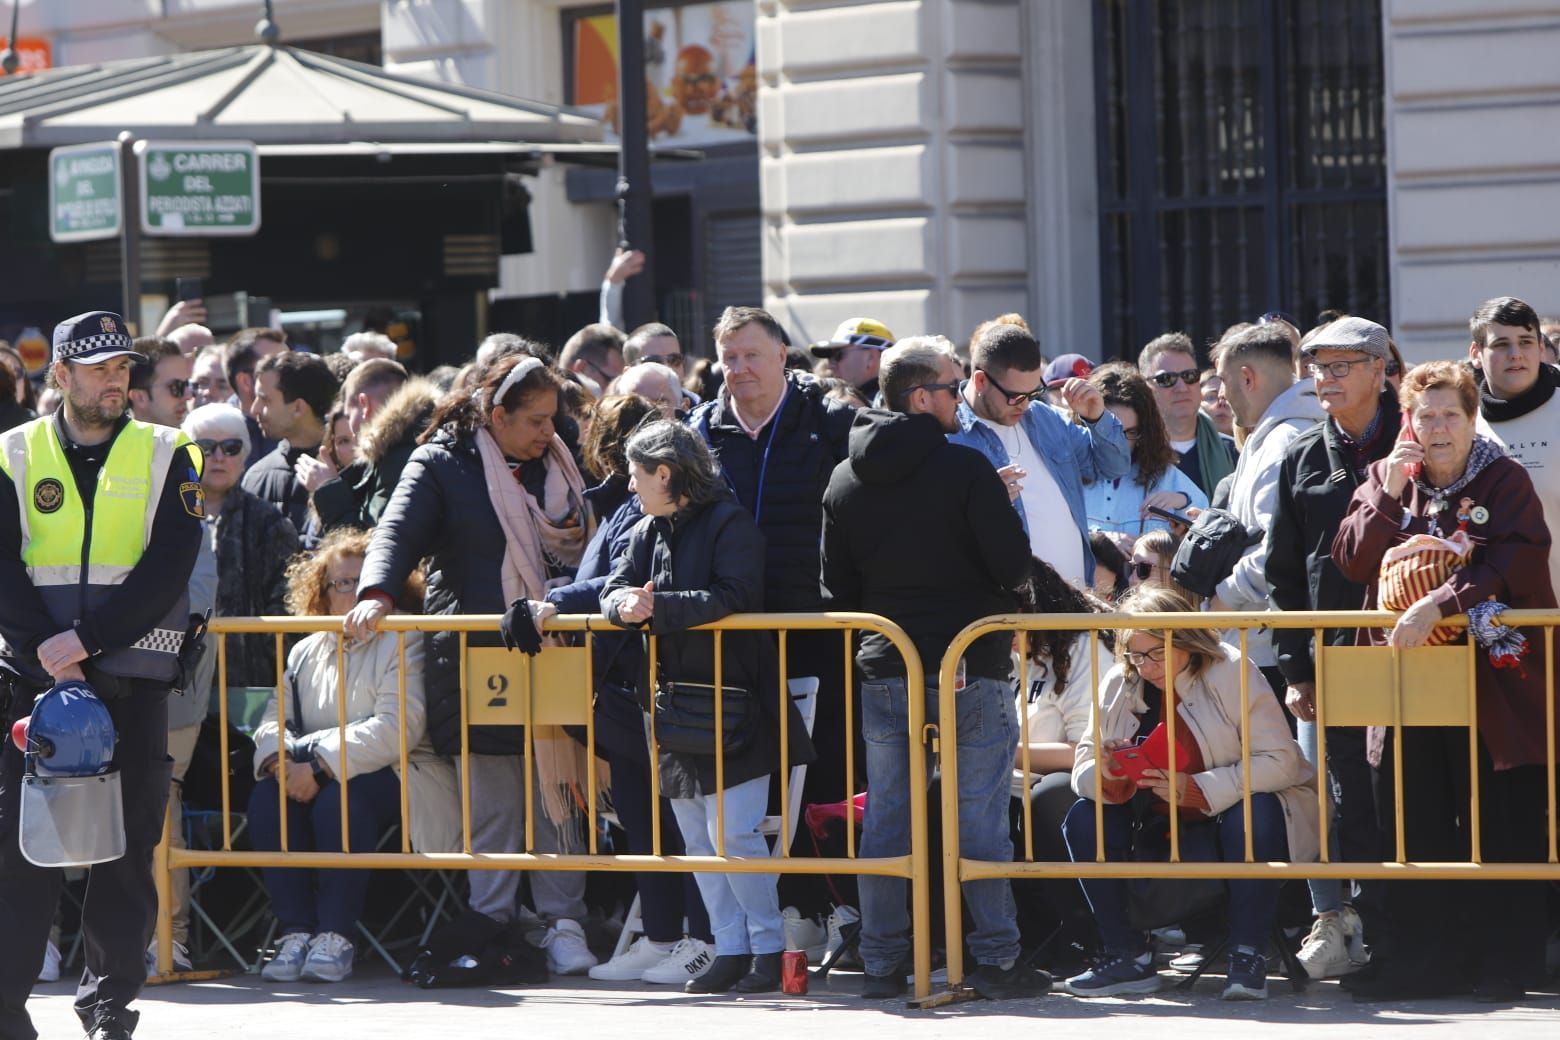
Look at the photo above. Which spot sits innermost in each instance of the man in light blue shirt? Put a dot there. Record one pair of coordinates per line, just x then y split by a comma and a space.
1042, 456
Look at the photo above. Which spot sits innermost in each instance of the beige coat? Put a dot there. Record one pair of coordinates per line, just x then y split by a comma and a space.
372, 735
1210, 706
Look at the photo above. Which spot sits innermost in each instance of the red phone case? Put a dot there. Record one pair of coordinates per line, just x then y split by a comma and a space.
1132, 761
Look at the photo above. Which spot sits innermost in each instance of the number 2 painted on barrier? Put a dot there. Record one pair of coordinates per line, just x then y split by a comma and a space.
499, 684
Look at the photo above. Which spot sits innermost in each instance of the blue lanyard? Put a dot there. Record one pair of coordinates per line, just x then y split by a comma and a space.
763, 466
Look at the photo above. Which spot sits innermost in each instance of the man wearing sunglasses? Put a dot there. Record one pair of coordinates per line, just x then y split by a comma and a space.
855, 352
962, 559
160, 382
1169, 363
1042, 457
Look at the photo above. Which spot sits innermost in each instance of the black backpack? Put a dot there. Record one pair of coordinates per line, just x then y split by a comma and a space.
1210, 550
475, 950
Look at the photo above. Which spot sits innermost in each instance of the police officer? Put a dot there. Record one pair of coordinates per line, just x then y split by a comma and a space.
100, 523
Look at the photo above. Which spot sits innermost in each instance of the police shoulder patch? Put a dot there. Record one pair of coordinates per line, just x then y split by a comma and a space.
194, 498
48, 495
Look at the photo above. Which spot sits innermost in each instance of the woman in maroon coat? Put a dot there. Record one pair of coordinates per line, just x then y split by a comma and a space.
1444, 936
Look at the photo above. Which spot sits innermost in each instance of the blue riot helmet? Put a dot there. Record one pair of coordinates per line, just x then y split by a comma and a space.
70, 732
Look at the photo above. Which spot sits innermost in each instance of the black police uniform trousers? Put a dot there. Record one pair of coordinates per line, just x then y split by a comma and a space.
120, 911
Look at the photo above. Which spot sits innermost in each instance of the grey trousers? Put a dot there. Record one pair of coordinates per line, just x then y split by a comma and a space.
498, 825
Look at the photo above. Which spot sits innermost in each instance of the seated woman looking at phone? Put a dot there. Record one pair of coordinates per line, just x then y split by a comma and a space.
1135, 789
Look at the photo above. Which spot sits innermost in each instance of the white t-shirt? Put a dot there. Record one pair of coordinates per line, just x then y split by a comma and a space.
1182, 447
1053, 536
1534, 441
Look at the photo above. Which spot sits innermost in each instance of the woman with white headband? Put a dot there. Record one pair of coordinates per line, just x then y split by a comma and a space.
493, 499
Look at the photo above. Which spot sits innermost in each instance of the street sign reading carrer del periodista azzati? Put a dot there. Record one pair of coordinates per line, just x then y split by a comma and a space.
199, 187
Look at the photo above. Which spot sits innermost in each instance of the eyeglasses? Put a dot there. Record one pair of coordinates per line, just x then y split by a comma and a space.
177, 387
342, 584
1136, 659
1142, 568
1014, 399
669, 360
1131, 433
952, 388
1393, 367
1336, 369
1167, 379
230, 447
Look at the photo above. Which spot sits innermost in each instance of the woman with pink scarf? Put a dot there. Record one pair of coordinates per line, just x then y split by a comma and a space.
493, 499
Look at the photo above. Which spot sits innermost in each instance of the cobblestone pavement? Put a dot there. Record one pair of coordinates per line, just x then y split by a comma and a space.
374, 1004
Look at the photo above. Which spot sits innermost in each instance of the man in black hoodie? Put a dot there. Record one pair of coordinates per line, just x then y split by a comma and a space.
920, 531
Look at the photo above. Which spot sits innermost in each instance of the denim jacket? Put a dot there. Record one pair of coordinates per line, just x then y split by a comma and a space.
1073, 452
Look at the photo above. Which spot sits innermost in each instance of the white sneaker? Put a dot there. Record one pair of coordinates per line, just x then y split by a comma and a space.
838, 919
330, 958
181, 958
287, 966
567, 953
632, 963
1336, 946
806, 934
1189, 959
50, 972
689, 959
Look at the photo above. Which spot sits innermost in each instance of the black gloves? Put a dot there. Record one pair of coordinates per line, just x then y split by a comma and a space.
519, 631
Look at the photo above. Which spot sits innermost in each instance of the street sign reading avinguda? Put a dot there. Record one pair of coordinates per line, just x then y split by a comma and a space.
84, 193
199, 187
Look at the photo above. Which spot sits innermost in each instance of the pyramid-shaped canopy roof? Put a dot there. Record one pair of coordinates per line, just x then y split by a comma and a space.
271, 95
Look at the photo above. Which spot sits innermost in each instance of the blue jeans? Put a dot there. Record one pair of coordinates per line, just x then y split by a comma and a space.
322, 900
987, 737
1326, 893
1222, 837
744, 909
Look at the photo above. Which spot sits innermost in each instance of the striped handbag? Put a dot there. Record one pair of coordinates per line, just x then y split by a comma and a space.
1417, 567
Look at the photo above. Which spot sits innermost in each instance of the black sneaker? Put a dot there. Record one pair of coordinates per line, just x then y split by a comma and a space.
764, 977
725, 973
882, 987
112, 1025
1020, 980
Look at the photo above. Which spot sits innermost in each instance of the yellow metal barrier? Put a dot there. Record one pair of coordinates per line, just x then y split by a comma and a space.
501, 687
1443, 693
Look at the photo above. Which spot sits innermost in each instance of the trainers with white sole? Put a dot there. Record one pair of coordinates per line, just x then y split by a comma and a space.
1336, 946
181, 958
835, 926
292, 950
632, 963
805, 934
689, 959
567, 952
50, 972
330, 958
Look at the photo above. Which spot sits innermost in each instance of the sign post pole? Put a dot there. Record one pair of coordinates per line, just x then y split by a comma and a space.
129, 234
633, 186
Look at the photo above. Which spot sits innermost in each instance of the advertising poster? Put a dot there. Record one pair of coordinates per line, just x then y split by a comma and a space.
702, 86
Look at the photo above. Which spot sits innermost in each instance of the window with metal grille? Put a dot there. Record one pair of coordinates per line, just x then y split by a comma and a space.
1242, 164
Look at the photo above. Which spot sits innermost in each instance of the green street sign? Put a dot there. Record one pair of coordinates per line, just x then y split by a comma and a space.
84, 193
199, 188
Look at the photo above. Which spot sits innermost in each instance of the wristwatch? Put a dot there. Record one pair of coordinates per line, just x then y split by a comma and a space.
321, 778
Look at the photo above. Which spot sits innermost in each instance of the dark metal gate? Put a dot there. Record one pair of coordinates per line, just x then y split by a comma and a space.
1242, 164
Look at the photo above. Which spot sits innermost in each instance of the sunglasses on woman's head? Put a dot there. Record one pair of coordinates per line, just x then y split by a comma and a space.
230, 447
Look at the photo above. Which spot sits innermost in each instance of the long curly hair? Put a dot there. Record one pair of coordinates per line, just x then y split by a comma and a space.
1123, 384
306, 593
1047, 592
617, 417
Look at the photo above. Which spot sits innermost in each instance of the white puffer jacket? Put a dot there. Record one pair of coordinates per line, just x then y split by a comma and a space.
372, 736
1210, 707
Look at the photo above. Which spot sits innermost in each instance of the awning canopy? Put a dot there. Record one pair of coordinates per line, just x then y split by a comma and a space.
276, 95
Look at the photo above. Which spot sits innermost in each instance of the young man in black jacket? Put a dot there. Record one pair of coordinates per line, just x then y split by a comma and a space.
1317, 478
961, 559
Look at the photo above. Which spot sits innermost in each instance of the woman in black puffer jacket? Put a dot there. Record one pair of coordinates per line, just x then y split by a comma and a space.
696, 557
444, 509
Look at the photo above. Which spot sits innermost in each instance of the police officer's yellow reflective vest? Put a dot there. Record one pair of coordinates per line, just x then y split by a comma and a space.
76, 555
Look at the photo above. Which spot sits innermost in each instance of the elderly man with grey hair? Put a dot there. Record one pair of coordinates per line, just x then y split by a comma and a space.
654, 383
902, 464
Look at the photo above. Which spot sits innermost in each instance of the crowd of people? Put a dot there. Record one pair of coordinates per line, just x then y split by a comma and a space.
932, 483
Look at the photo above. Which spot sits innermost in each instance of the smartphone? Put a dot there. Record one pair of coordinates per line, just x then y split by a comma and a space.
1132, 761
1406, 433
1172, 516
187, 288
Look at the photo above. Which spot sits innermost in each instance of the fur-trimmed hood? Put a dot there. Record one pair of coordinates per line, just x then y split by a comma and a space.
403, 417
